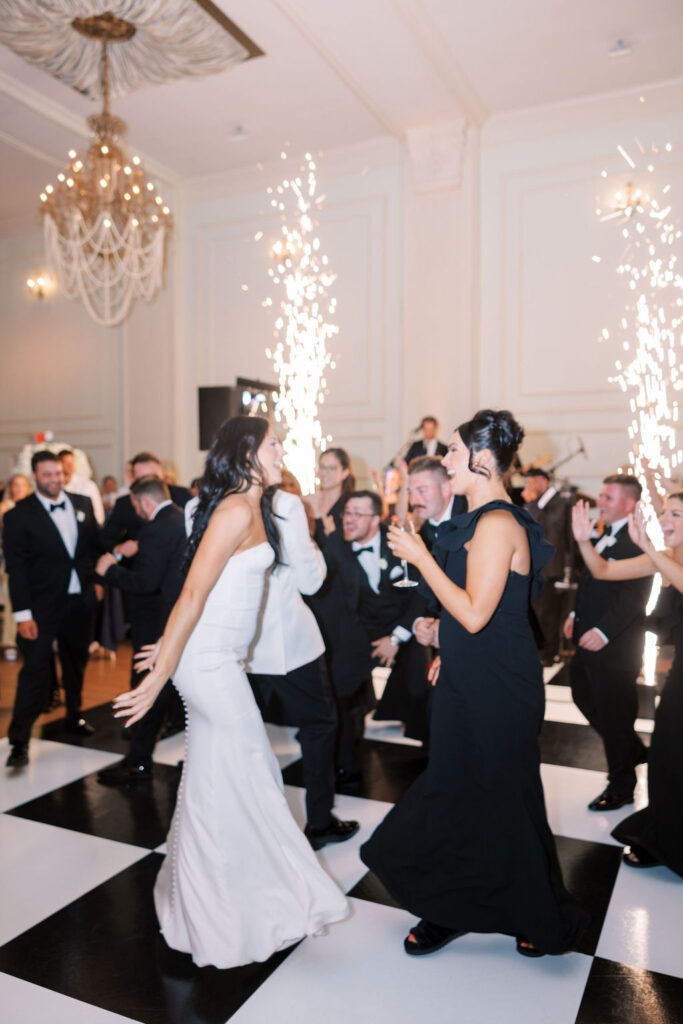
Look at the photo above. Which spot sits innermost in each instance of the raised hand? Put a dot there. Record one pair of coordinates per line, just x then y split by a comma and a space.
637, 528
582, 525
405, 544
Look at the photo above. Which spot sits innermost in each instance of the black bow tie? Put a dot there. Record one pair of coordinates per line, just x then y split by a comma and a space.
58, 504
607, 532
359, 551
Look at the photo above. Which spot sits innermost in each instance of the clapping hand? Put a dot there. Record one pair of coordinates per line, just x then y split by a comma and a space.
582, 524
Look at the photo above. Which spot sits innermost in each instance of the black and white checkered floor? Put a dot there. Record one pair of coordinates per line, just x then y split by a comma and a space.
80, 945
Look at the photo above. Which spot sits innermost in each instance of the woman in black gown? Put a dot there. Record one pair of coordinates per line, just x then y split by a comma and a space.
468, 848
654, 834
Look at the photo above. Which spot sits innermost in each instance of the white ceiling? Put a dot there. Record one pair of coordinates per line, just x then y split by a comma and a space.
336, 73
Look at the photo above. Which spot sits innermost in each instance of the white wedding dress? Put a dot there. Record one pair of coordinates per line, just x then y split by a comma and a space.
240, 880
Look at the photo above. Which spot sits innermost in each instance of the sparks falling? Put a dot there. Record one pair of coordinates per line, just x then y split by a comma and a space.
649, 370
303, 326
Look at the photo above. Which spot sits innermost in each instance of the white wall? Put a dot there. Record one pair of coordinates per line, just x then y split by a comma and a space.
544, 301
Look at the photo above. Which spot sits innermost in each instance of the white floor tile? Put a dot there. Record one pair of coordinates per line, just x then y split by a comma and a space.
643, 923
359, 972
388, 732
563, 711
171, 750
550, 671
568, 791
50, 766
341, 860
40, 886
284, 743
24, 1003
559, 693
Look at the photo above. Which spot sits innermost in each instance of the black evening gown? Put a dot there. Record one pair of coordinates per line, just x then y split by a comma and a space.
469, 846
658, 828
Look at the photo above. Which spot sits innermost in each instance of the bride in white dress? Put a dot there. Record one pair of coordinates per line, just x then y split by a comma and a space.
240, 880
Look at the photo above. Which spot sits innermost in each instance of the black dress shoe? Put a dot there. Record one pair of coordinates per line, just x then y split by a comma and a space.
610, 800
79, 727
335, 832
125, 773
18, 757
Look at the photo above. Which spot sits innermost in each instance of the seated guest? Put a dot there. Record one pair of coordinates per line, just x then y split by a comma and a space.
124, 524
50, 540
74, 483
429, 443
153, 582
374, 622
551, 510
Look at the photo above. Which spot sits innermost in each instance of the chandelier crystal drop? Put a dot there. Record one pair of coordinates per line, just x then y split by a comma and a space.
105, 224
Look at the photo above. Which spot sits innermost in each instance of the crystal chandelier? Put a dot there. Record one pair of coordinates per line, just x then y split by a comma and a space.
105, 224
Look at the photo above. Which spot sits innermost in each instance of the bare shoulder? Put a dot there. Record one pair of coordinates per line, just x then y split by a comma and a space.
235, 511
499, 522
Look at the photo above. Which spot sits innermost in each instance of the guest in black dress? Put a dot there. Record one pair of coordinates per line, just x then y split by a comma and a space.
468, 848
655, 833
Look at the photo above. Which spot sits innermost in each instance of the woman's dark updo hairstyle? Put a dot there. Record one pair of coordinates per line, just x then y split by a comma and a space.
498, 431
232, 467
342, 457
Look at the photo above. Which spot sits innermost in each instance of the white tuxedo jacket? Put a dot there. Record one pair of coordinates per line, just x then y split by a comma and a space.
288, 635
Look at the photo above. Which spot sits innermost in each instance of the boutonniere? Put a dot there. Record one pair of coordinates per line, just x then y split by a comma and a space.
80, 516
608, 542
383, 564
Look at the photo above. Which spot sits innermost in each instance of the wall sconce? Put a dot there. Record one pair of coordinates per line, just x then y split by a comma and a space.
40, 286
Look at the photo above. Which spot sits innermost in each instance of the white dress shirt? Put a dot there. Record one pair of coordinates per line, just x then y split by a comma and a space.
547, 496
430, 446
446, 515
65, 521
369, 560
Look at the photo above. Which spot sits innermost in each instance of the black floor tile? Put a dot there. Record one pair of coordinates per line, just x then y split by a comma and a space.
105, 949
589, 871
388, 769
110, 733
616, 994
574, 746
371, 889
140, 815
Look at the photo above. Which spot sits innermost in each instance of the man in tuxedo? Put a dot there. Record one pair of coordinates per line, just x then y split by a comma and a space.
551, 510
608, 628
430, 497
124, 524
76, 484
50, 541
153, 582
287, 658
429, 444
374, 628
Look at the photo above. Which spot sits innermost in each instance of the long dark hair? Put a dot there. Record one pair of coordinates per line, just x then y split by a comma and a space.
342, 457
498, 431
232, 467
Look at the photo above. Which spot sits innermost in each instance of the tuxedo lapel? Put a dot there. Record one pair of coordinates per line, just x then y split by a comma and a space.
42, 515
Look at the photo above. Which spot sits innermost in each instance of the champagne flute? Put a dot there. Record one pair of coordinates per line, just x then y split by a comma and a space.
406, 580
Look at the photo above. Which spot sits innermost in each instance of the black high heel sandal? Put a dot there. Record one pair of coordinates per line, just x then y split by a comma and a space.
427, 937
526, 948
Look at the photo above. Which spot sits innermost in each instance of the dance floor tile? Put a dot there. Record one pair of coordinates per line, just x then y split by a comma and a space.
387, 732
568, 792
105, 949
388, 769
370, 888
589, 871
23, 1003
77, 863
617, 994
572, 745
283, 740
50, 766
170, 750
643, 925
360, 972
109, 732
563, 711
139, 815
342, 860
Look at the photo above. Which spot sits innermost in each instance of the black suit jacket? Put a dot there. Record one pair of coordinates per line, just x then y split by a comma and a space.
154, 579
417, 449
352, 660
554, 518
616, 608
430, 533
125, 524
38, 564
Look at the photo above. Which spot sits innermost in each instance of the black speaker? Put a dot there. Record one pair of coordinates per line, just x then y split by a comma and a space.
251, 397
215, 406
